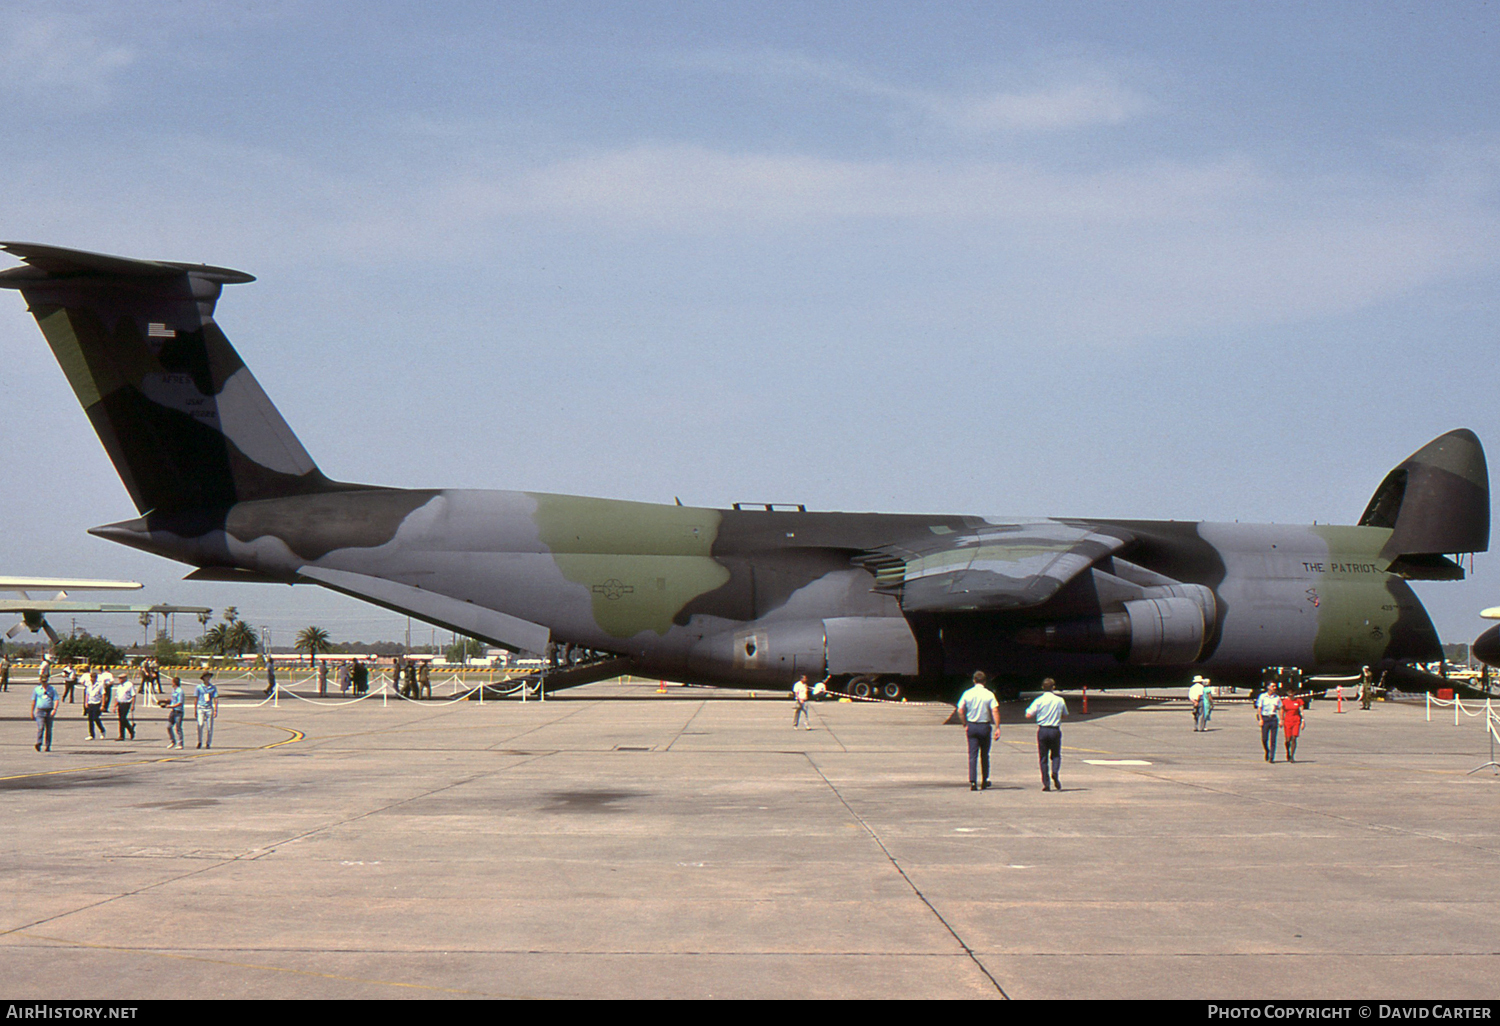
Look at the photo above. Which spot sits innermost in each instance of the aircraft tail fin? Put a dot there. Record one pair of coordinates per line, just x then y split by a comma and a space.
179, 413
1437, 501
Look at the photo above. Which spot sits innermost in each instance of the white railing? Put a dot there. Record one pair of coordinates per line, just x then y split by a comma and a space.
382, 686
1491, 723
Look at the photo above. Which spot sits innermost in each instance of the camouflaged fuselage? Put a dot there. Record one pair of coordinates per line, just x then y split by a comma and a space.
742, 596
682, 589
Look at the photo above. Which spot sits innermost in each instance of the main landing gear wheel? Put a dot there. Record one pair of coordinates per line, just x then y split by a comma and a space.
862, 687
891, 690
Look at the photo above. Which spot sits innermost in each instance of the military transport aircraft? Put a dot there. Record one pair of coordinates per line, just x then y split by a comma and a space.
747, 596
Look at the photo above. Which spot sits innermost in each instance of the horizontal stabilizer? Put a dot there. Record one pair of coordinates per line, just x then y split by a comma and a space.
48, 263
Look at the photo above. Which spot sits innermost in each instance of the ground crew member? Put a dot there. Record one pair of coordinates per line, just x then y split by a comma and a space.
424, 680
4, 673
980, 712
1366, 688
1048, 710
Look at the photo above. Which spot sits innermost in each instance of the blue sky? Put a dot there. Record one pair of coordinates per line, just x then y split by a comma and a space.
1187, 261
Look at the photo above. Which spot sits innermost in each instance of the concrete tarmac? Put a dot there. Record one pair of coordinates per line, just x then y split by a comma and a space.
616, 842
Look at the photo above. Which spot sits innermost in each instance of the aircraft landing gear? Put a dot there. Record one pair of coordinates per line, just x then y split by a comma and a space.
871, 686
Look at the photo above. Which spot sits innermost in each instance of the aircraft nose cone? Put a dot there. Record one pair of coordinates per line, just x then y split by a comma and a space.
1486, 647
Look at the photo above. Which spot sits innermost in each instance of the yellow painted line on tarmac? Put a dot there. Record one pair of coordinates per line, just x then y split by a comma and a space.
297, 735
253, 965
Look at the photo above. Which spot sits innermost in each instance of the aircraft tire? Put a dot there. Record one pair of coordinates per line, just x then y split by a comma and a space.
860, 687
891, 690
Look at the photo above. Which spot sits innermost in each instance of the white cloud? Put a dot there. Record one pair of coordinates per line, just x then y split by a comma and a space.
1139, 250
1077, 105
58, 57
1072, 98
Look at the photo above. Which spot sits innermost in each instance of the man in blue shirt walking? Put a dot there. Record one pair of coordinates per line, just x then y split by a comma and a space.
43, 708
174, 714
1048, 711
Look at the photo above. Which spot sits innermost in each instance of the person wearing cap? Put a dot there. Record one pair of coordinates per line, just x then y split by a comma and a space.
207, 703
980, 711
1267, 707
1202, 701
1048, 710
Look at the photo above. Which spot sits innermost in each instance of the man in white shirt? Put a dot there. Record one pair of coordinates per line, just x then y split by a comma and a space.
1048, 710
1201, 696
981, 713
93, 701
124, 701
799, 695
1267, 706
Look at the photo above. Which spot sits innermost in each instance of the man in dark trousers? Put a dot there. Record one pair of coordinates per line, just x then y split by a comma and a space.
980, 711
1048, 710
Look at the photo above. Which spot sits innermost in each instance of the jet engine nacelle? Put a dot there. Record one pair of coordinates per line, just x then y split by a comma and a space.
1169, 628
1165, 631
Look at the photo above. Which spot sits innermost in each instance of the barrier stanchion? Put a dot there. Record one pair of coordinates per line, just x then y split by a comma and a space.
1341, 698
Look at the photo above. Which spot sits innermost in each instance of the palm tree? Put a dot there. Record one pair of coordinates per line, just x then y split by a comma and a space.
313, 640
240, 636
216, 639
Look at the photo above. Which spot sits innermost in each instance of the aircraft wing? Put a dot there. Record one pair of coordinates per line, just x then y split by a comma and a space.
68, 606
64, 584
993, 568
